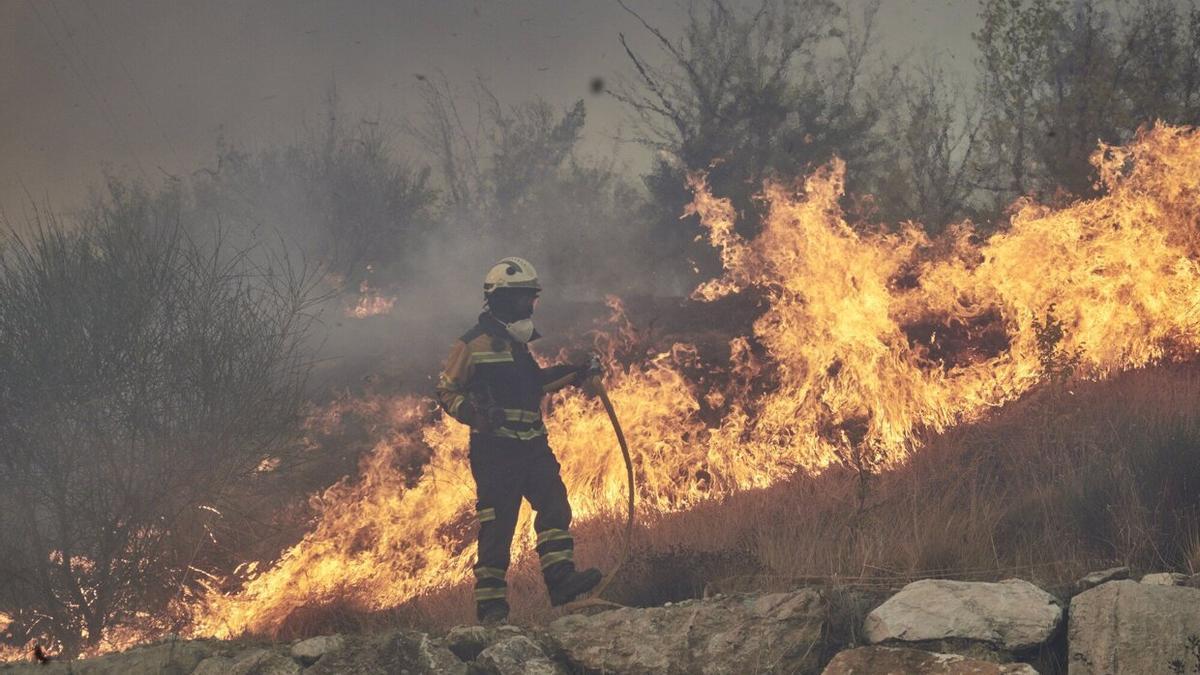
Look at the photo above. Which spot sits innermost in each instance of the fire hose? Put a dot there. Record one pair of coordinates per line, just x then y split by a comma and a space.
594, 598
594, 385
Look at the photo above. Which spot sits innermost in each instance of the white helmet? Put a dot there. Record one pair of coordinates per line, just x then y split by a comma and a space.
511, 272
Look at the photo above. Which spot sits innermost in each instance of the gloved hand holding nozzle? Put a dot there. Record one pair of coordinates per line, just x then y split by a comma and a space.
589, 375
589, 369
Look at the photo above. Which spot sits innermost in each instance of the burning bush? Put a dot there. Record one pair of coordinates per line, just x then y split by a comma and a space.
142, 376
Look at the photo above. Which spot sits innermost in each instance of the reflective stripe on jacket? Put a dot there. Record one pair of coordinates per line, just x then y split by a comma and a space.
488, 368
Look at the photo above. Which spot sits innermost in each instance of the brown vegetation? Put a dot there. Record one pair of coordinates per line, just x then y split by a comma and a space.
148, 384
1061, 482
1072, 476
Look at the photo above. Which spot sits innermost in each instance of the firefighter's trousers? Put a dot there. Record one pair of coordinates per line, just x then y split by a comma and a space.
507, 470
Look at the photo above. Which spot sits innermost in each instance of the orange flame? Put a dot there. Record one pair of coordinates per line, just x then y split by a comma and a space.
370, 303
868, 339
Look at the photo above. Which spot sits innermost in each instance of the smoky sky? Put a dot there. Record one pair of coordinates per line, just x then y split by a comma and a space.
145, 87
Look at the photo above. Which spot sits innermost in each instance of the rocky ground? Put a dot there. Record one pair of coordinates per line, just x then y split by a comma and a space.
1111, 625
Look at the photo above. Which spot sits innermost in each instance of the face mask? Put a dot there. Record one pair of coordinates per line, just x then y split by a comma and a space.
521, 330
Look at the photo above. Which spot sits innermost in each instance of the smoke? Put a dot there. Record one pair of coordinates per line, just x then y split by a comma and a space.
437, 301
144, 87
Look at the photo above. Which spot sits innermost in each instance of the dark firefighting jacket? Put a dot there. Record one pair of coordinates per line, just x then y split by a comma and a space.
487, 368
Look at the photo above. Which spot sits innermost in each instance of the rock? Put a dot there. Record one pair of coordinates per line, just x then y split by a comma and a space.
171, 657
390, 654
29, 667
263, 662
517, 655
505, 630
1127, 627
1165, 579
903, 661
1193, 581
214, 665
779, 632
1013, 615
307, 652
1102, 577
467, 641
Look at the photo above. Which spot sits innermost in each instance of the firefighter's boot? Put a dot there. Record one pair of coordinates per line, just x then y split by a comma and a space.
492, 612
574, 585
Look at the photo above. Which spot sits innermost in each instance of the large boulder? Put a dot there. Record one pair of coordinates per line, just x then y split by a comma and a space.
1102, 577
214, 665
309, 651
904, 661
263, 662
1127, 627
516, 655
779, 632
1011, 615
1165, 579
468, 641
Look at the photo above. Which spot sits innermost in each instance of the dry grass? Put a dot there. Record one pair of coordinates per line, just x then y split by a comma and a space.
1049, 488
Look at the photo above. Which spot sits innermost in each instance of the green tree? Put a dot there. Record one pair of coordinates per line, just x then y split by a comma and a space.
1057, 78
1079, 104
1161, 53
1014, 43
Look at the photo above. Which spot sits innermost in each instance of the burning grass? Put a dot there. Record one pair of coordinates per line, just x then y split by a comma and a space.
862, 407
1048, 488
817, 446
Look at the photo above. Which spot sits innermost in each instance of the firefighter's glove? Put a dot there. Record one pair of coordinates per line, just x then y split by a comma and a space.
593, 368
588, 370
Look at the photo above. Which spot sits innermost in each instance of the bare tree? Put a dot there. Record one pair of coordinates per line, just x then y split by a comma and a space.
493, 158
143, 379
514, 173
744, 94
934, 132
344, 195
456, 141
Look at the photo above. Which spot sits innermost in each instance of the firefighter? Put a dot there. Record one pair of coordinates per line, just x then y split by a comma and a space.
492, 384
